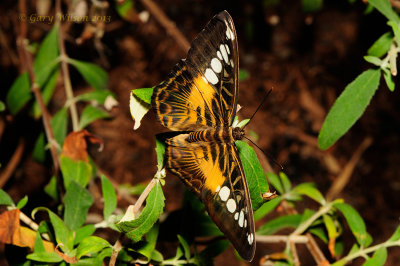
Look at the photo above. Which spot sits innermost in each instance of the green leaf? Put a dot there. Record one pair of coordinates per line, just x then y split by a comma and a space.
51, 188
59, 124
39, 246
109, 196
93, 74
348, 108
355, 222
39, 152
254, 173
309, 190
138, 108
90, 114
47, 92
275, 181
77, 203
373, 60
267, 208
147, 248
311, 5
319, 232
48, 257
382, 45
19, 93
379, 258
185, 246
285, 182
395, 236
78, 171
22, 202
143, 94
389, 79
91, 244
5, 199
330, 226
47, 53
395, 28
83, 232
136, 228
2, 106
160, 150
98, 96
272, 226
386, 9
62, 233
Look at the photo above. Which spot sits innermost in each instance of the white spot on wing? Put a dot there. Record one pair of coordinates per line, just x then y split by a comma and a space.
224, 192
241, 219
227, 49
250, 238
217, 190
236, 216
219, 55
205, 80
216, 65
223, 52
229, 34
210, 76
245, 223
231, 205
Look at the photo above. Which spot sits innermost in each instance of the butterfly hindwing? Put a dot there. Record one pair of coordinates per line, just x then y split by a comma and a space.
213, 171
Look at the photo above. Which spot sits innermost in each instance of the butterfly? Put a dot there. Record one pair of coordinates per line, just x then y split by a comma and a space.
198, 100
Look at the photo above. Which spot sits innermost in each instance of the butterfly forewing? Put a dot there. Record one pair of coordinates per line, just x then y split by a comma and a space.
200, 97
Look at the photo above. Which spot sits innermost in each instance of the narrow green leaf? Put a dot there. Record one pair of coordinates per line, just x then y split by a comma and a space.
382, 45
287, 185
62, 233
373, 60
5, 199
78, 171
275, 181
311, 5
185, 246
160, 150
389, 79
355, 222
2, 106
19, 93
90, 114
143, 94
243, 75
83, 232
348, 108
47, 92
51, 188
39, 151
22, 202
386, 9
254, 173
378, 259
39, 246
59, 123
330, 226
91, 244
48, 51
272, 226
396, 29
138, 108
319, 232
309, 190
48, 257
136, 228
395, 236
109, 196
98, 96
93, 74
267, 208
147, 248
77, 203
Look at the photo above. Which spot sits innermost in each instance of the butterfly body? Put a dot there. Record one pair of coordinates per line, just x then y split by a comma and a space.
199, 100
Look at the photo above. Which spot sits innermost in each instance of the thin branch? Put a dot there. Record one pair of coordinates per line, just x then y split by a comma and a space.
143, 196
64, 67
307, 223
300, 239
13, 163
29, 222
169, 26
295, 256
342, 180
27, 59
116, 249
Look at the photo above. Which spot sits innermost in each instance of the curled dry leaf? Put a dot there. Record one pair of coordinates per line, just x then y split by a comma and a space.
75, 145
66, 258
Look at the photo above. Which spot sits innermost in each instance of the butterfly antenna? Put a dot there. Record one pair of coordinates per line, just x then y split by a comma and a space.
266, 154
258, 108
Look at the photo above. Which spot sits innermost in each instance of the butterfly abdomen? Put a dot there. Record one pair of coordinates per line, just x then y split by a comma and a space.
222, 134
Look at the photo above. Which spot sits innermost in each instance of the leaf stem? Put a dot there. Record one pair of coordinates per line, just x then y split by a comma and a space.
143, 196
64, 66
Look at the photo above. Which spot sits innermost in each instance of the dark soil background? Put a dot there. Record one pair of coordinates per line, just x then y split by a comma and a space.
307, 59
